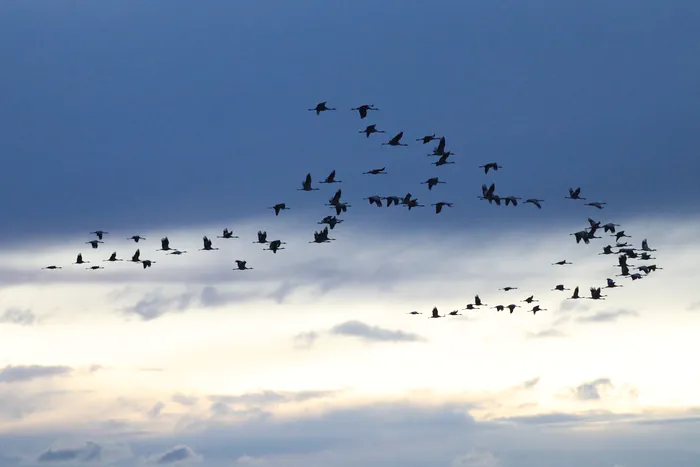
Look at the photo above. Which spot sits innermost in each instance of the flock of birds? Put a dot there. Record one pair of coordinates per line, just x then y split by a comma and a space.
623, 250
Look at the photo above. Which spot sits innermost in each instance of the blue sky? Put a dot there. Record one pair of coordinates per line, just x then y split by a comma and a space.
168, 118
144, 114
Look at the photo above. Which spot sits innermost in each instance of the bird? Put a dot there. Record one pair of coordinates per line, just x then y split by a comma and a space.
621, 234
371, 129
530, 299
52, 267
635, 276
99, 233
414, 313
306, 184
364, 108
440, 148
207, 244
469, 307
375, 172
375, 199
136, 256
395, 141
611, 284
534, 201
322, 236
512, 307
95, 267
455, 313
227, 234
593, 223
507, 289
575, 295
442, 161
320, 107
537, 308
560, 287
262, 237
581, 235
435, 313
147, 263
136, 238
499, 307
392, 200
607, 250
595, 293
490, 166
431, 182
439, 205
413, 203
179, 252
574, 194
79, 259
610, 227
112, 257
331, 221
94, 243
645, 257
595, 204
477, 301
561, 263
279, 207
428, 138
340, 207
331, 178
275, 245
512, 200
645, 246
241, 266
164, 244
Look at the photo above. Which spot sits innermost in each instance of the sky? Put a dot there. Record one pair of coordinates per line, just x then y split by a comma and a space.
173, 119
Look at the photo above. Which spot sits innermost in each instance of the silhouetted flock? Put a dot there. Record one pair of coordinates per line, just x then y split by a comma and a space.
624, 250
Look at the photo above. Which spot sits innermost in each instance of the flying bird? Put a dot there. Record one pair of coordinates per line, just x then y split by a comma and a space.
537, 308
440, 205
508, 289
575, 295
136, 238
490, 166
94, 243
279, 207
320, 107
99, 233
645, 246
560, 288
364, 108
375, 172
241, 266
530, 299
95, 267
331, 178
164, 244
561, 263
536, 202
427, 139
595, 204
375, 199
226, 234
52, 267
442, 160
512, 307
275, 245
207, 244
395, 141
435, 313
79, 259
262, 237
112, 257
431, 182
574, 194
136, 257
306, 184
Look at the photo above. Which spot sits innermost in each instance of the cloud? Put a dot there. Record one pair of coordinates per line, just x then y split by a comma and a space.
155, 304
531, 383
177, 455
551, 332
306, 340
695, 306
591, 390
19, 316
476, 458
183, 399
156, 410
366, 332
22, 373
89, 453
607, 316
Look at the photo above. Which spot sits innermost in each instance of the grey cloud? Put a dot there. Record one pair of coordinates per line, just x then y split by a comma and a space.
306, 340
91, 452
476, 458
591, 390
156, 410
551, 332
20, 373
373, 333
183, 399
695, 306
607, 316
562, 418
19, 316
570, 305
222, 403
176, 455
154, 305
531, 383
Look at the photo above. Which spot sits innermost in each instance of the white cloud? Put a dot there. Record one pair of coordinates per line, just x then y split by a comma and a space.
236, 350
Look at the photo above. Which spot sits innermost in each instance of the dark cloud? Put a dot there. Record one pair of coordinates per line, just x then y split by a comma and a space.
591, 390
21, 373
91, 452
20, 316
607, 316
373, 333
176, 455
